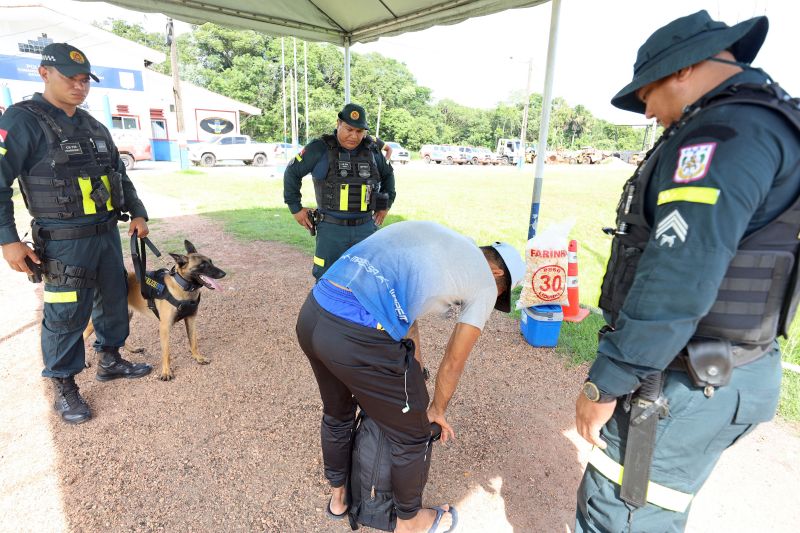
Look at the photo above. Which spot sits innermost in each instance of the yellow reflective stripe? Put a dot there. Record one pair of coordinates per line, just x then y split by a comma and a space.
697, 195
319, 261
298, 157
86, 189
378, 326
363, 197
344, 191
60, 297
107, 183
659, 495
3, 150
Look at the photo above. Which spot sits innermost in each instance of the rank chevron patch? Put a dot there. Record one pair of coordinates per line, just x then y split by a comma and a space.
675, 224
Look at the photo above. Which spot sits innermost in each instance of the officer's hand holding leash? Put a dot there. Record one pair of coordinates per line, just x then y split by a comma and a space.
379, 216
139, 224
590, 417
17, 253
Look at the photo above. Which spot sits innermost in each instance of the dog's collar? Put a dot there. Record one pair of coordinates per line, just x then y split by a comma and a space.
185, 284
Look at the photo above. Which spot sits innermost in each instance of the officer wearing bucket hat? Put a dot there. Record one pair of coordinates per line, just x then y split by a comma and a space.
358, 329
76, 189
353, 186
700, 280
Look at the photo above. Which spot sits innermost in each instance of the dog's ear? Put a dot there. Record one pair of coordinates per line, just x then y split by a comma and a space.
190, 249
180, 259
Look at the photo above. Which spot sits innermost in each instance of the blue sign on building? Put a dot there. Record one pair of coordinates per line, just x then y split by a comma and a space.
27, 69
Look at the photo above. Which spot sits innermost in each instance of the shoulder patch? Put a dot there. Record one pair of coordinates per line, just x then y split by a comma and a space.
670, 229
693, 162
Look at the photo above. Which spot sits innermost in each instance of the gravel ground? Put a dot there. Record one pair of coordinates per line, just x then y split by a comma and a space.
233, 446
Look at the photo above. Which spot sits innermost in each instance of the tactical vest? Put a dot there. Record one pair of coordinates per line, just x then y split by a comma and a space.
759, 294
352, 180
76, 176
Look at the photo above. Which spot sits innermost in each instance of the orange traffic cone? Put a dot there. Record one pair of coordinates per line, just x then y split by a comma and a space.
573, 312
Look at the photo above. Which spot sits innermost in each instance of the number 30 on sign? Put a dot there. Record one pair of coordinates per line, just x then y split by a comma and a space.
548, 283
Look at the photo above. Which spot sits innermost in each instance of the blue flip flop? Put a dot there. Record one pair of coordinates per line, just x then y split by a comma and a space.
331, 514
439, 514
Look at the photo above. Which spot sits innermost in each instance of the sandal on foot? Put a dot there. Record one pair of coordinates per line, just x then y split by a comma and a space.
439, 514
331, 514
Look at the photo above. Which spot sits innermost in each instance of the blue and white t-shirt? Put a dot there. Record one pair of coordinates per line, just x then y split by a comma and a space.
410, 269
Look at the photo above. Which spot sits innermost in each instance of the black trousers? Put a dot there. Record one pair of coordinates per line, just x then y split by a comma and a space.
355, 363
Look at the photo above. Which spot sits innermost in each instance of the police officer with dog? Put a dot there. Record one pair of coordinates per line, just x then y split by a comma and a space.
75, 187
702, 277
353, 186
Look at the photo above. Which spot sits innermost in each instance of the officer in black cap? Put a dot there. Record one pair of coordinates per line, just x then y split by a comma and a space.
353, 185
701, 277
76, 189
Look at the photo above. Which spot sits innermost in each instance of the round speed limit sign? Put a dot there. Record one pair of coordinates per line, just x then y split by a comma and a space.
549, 283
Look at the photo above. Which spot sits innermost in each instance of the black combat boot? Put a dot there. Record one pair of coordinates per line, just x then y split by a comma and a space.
113, 366
69, 404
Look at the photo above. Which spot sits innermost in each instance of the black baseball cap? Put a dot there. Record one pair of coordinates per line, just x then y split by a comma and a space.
67, 59
354, 115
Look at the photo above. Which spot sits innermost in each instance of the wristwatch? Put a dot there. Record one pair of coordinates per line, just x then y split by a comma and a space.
593, 394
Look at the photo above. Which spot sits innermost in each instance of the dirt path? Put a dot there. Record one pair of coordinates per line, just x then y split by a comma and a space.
233, 446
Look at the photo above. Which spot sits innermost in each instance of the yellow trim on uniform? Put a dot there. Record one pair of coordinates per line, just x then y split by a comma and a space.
298, 158
60, 297
697, 195
319, 261
664, 497
363, 197
378, 326
108, 188
86, 189
344, 192
3, 150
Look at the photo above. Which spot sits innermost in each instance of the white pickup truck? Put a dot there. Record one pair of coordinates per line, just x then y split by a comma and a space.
230, 147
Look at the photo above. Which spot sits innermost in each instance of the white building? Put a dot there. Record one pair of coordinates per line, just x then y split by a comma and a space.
129, 96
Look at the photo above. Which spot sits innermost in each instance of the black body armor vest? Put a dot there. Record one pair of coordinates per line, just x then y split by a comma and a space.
76, 177
352, 182
759, 294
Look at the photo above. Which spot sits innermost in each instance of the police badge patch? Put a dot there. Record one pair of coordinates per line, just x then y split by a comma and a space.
693, 162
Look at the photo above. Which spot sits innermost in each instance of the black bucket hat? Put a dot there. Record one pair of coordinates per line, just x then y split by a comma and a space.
687, 41
354, 115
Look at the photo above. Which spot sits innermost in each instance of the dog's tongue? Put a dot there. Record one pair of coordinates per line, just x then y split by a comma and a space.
211, 283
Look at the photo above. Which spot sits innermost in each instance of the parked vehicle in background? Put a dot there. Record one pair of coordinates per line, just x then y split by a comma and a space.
589, 156
133, 146
434, 153
508, 151
228, 148
399, 154
489, 157
283, 152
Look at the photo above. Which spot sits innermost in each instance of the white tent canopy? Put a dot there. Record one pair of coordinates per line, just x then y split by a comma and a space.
333, 21
357, 21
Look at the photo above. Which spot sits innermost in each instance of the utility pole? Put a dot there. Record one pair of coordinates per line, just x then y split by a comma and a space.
524, 131
305, 75
176, 81
293, 92
378, 127
283, 91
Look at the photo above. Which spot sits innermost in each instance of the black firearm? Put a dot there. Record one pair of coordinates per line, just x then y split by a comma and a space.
313, 217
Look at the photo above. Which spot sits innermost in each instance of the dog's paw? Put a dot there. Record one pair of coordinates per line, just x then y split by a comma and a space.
134, 349
166, 375
202, 360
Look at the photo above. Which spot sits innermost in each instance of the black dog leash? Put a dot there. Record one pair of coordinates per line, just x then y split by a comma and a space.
139, 256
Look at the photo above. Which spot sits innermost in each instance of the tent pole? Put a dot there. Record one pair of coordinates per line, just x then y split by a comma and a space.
544, 128
347, 70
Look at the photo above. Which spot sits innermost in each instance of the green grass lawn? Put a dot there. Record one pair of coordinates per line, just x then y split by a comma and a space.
486, 203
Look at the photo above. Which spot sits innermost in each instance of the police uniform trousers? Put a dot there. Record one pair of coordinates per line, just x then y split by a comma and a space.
354, 363
689, 443
67, 310
333, 240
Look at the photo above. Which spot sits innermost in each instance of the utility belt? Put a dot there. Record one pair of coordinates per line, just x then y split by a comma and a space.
324, 217
64, 234
56, 272
710, 362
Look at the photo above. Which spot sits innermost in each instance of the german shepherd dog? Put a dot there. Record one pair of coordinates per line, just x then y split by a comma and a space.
199, 271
